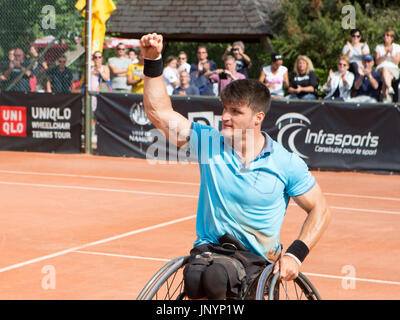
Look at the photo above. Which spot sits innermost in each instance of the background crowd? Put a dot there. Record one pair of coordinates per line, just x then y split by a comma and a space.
361, 74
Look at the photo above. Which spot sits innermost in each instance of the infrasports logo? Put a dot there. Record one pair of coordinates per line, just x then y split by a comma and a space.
289, 125
138, 114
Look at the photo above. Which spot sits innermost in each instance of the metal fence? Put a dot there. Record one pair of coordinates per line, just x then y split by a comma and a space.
41, 46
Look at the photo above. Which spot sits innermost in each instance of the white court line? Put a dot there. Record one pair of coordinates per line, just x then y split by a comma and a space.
127, 234
350, 278
121, 256
306, 273
178, 195
171, 182
98, 177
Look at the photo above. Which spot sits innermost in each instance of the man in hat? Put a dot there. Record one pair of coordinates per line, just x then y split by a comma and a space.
368, 82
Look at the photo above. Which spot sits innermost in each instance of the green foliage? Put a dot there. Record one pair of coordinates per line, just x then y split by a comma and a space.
314, 28
22, 21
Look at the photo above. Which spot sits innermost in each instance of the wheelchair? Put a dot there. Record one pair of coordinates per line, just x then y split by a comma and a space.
167, 284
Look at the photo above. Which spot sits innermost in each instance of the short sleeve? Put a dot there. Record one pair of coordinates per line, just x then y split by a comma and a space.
300, 179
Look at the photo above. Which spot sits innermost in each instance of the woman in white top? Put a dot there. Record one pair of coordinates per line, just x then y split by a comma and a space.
171, 74
339, 83
387, 56
355, 50
275, 76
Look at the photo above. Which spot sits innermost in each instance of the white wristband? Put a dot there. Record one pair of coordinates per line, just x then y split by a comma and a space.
294, 257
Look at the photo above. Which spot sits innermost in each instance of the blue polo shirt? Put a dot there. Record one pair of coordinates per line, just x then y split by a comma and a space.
247, 202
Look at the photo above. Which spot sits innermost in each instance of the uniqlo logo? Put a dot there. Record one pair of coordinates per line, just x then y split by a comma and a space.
12, 121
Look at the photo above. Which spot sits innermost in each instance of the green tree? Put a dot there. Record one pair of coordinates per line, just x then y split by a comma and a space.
23, 21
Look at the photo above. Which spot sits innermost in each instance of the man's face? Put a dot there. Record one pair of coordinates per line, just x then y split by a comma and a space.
19, 55
121, 50
202, 54
368, 64
237, 119
184, 77
230, 65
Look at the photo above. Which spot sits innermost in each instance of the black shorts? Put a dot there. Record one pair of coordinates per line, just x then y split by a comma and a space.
241, 266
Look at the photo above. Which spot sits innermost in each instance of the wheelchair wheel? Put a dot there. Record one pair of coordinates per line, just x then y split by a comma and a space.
167, 283
270, 287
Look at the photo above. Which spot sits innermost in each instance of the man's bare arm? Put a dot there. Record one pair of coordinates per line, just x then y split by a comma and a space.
156, 101
318, 218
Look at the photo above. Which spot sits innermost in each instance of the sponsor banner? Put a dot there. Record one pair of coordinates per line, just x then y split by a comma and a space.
328, 136
40, 122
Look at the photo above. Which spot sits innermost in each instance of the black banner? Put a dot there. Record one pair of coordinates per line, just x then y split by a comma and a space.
328, 136
40, 122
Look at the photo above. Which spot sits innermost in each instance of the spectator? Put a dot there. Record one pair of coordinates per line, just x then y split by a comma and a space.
387, 57
197, 71
275, 76
355, 50
18, 67
182, 62
100, 77
303, 81
59, 78
368, 82
133, 55
339, 83
225, 76
135, 75
243, 61
4, 66
185, 88
171, 74
38, 79
119, 67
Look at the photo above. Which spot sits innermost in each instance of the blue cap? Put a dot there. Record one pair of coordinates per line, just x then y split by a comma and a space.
368, 57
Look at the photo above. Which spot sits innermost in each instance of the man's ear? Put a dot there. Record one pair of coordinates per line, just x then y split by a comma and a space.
259, 117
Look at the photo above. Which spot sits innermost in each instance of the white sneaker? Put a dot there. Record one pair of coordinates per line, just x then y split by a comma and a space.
388, 99
391, 91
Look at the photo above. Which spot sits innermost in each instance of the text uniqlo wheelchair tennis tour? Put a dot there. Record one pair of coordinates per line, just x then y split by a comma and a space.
201, 310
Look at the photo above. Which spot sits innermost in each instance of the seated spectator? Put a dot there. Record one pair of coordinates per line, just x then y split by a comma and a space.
225, 76
243, 61
182, 62
339, 83
135, 75
355, 50
59, 78
171, 74
275, 76
367, 83
197, 71
387, 57
303, 81
185, 88
17, 73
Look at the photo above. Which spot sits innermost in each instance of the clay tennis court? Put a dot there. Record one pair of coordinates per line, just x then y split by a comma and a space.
91, 227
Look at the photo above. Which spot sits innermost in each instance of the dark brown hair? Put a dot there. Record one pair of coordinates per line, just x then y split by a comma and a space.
248, 91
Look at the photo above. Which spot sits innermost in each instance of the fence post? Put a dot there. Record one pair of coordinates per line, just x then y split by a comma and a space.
88, 104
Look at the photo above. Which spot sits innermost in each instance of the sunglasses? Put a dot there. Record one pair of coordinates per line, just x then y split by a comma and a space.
120, 48
182, 58
201, 51
342, 64
356, 36
98, 57
235, 49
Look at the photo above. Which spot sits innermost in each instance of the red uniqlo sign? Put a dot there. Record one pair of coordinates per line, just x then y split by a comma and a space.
12, 121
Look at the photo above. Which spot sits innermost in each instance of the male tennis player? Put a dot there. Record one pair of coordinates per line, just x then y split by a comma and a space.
247, 180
